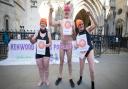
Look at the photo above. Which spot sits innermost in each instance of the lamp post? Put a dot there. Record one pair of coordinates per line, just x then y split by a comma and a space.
113, 8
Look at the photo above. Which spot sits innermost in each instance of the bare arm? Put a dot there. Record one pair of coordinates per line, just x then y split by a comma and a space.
51, 21
74, 32
50, 40
93, 23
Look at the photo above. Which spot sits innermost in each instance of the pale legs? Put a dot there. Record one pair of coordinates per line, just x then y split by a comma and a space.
90, 59
69, 57
43, 67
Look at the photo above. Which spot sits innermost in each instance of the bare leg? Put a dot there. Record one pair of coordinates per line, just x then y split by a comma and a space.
62, 53
41, 70
82, 62
90, 59
69, 59
46, 70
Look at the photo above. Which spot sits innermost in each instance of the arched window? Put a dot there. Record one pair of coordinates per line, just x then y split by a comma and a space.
6, 22
119, 27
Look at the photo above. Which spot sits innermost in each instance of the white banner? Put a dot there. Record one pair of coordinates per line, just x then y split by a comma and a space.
55, 57
23, 52
23, 49
19, 49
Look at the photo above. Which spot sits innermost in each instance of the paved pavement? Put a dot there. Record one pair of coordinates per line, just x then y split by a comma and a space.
110, 73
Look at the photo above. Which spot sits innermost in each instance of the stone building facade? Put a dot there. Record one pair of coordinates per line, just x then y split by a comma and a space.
117, 19
12, 13
17, 14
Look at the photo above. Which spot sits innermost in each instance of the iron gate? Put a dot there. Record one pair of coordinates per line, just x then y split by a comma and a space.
106, 44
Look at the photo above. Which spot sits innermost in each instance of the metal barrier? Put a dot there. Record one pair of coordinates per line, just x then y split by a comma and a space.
106, 44
101, 43
3, 51
12, 35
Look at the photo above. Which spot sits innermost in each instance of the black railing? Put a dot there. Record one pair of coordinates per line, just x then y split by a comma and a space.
102, 43
10, 35
108, 44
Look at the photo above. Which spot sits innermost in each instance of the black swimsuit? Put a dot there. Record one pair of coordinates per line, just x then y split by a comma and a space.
88, 40
47, 52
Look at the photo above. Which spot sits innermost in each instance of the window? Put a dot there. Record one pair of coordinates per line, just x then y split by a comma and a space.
119, 11
6, 22
33, 3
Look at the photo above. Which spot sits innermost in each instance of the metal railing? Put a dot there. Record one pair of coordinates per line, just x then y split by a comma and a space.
101, 43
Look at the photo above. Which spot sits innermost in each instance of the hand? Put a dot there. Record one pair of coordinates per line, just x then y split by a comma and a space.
30, 36
51, 9
76, 45
47, 45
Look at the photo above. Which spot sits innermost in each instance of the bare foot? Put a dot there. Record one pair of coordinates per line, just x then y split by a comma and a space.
47, 83
40, 83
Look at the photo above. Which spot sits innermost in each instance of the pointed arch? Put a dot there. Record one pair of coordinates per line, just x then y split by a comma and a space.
119, 26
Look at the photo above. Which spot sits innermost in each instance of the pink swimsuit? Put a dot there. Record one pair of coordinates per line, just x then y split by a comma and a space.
66, 45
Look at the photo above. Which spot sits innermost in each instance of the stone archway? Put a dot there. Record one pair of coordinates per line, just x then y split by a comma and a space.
83, 6
95, 8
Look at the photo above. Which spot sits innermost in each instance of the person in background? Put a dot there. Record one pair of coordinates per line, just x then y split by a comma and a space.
44, 41
83, 42
6, 38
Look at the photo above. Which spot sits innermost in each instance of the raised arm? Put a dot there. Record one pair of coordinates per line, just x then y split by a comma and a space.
74, 31
50, 40
93, 23
51, 21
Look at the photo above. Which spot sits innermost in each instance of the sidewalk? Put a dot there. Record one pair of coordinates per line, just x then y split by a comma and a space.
111, 73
